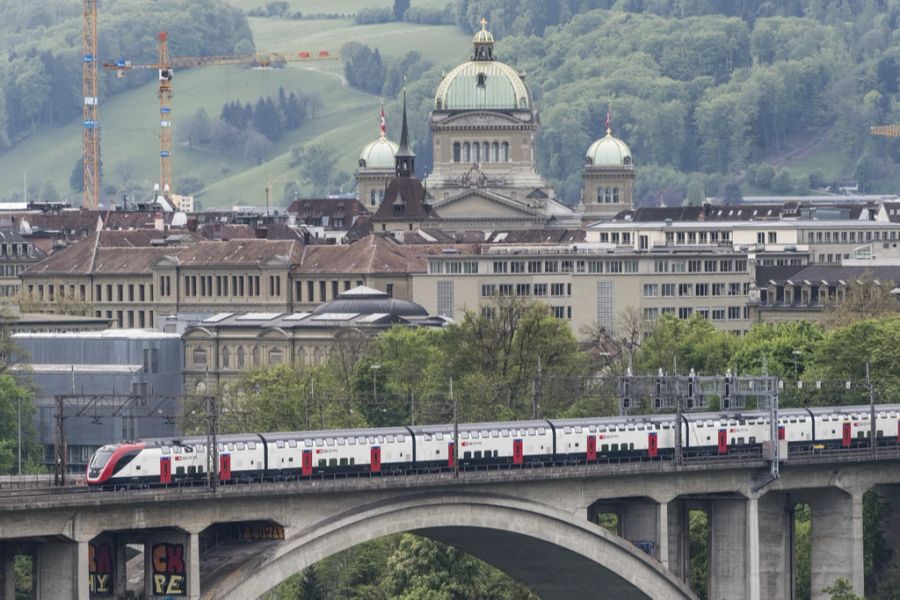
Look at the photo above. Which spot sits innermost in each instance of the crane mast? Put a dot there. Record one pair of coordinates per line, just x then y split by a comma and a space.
886, 130
90, 143
165, 116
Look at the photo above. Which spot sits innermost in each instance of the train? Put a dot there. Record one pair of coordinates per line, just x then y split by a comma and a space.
423, 449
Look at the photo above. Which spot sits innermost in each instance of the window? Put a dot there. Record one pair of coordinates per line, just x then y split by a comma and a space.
445, 298
540, 289
734, 289
500, 266
694, 266
534, 266
667, 289
199, 357
457, 152
773, 237
557, 289
523, 289
488, 290
718, 289
559, 312
517, 266
276, 356
709, 266
651, 313
760, 237
506, 289
701, 289
685, 312
151, 360
734, 312
551, 266
567, 266
685, 289
718, 314
660, 266
651, 290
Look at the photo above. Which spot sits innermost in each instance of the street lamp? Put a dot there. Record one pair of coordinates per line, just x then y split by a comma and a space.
19, 418
797, 354
374, 369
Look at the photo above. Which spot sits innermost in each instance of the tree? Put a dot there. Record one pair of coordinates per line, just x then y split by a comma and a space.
48, 191
864, 298
400, 8
271, 399
696, 194
76, 179
11, 393
674, 344
196, 129
310, 588
841, 590
764, 176
782, 183
317, 166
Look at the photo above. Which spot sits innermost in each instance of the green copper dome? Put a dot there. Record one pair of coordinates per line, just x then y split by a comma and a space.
609, 151
378, 155
483, 83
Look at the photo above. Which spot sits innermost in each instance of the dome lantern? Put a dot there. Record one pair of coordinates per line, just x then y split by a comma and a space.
484, 43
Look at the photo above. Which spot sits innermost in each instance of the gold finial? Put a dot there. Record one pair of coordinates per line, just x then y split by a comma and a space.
483, 24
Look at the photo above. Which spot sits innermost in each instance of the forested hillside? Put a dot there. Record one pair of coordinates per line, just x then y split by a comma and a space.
706, 87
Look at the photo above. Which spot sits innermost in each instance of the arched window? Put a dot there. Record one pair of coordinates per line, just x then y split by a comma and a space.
255, 356
226, 357
486, 151
317, 356
615, 196
467, 156
599, 195
496, 152
199, 357
276, 356
476, 152
201, 388
457, 151
301, 356
241, 357
373, 197
607, 195
505, 148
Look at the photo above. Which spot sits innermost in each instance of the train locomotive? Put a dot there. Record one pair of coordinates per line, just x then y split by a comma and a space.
430, 448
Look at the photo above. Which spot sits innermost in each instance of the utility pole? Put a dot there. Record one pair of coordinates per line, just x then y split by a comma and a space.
535, 389
872, 425
455, 431
19, 417
59, 445
212, 442
679, 407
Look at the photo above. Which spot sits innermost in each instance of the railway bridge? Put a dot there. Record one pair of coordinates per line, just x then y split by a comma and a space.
539, 525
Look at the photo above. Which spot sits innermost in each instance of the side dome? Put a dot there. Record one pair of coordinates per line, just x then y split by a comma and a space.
609, 151
364, 300
378, 154
483, 85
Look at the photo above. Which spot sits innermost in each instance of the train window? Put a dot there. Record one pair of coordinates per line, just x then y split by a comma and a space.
323, 463
343, 462
604, 448
330, 441
192, 470
176, 449
137, 467
467, 455
530, 431
372, 439
567, 430
166, 449
860, 434
495, 434
291, 443
879, 433
632, 445
542, 430
640, 427
290, 459
439, 436
427, 437
463, 435
231, 446
578, 429
308, 443
666, 426
352, 461
741, 441
320, 442
505, 433
615, 447
793, 419
593, 429
389, 438
478, 454
341, 442
401, 438
179, 470
221, 447
380, 439
351, 441
752, 440
279, 443
240, 445
629, 427
474, 435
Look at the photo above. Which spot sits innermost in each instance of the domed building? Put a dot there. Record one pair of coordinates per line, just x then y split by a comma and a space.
483, 125
608, 177
376, 167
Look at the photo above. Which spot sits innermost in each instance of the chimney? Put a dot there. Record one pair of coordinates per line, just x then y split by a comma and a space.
158, 221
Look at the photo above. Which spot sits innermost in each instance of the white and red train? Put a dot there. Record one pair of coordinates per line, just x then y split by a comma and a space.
429, 448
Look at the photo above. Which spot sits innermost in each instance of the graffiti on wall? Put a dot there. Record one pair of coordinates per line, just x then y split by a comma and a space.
100, 569
169, 575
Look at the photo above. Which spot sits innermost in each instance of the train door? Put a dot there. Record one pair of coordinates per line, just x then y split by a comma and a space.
898, 432
781, 432
518, 453
224, 467
375, 459
846, 438
591, 447
652, 444
306, 467
450, 457
723, 441
165, 469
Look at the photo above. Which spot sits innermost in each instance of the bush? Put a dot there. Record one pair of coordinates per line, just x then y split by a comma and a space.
372, 16
782, 183
764, 176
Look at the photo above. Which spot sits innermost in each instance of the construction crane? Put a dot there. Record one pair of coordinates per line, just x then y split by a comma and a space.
886, 130
165, 66
90, 140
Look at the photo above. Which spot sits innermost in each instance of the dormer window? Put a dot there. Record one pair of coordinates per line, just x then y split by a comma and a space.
627, 160
398, 210
481, 79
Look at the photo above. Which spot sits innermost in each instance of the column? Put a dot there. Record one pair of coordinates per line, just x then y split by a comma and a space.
120, 572
662, 527
61, 571
890, 526
678, 537
637, 522
728, 549
837, 548
172, 565
775, 552
7, 574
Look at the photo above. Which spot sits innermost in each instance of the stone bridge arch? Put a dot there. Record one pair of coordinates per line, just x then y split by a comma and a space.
554, 553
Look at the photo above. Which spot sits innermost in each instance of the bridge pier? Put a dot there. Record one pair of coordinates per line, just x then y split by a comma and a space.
890, 528
172, 565
61, 570
776, 565
7, 573
731, 548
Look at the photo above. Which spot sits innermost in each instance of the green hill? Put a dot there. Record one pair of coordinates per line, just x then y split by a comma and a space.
347, 118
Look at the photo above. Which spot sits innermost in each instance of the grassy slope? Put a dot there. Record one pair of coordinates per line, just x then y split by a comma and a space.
347, 119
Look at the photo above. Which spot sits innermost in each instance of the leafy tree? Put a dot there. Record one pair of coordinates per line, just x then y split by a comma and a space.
48, 191
76, 179
400, 8
317, 166
764, 176
195, 129
782, 183
310, 588
696, 194
11, 394
684, 344
841, 590
272, 399
864, 298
